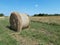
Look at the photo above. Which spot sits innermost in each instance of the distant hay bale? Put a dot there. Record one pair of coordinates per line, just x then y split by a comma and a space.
18, 21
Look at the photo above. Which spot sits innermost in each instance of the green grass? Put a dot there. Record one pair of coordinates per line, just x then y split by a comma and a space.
5, 38
43, 33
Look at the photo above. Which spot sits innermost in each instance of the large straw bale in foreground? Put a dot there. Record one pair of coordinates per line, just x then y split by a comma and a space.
18, 21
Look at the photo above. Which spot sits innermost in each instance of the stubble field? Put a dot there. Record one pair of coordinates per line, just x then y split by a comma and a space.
44, 30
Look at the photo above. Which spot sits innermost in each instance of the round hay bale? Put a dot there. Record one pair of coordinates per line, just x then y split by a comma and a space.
18, 21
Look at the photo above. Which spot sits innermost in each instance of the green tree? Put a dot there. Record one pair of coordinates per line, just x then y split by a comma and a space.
1, 14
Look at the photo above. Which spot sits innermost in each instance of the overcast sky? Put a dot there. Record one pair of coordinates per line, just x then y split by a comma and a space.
30, 6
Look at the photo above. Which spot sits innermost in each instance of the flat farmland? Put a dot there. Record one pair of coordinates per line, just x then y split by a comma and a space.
47, 19
44, 30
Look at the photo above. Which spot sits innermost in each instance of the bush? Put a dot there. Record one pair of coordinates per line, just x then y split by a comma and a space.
1, 14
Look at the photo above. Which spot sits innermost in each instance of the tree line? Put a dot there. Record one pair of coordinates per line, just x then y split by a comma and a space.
41, 14
1, 14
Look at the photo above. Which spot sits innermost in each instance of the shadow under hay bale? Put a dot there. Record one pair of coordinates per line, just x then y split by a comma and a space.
18, 21
10, 28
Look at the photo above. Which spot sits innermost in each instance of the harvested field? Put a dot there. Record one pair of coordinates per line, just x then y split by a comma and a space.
41, 32
47, 19
2, 17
